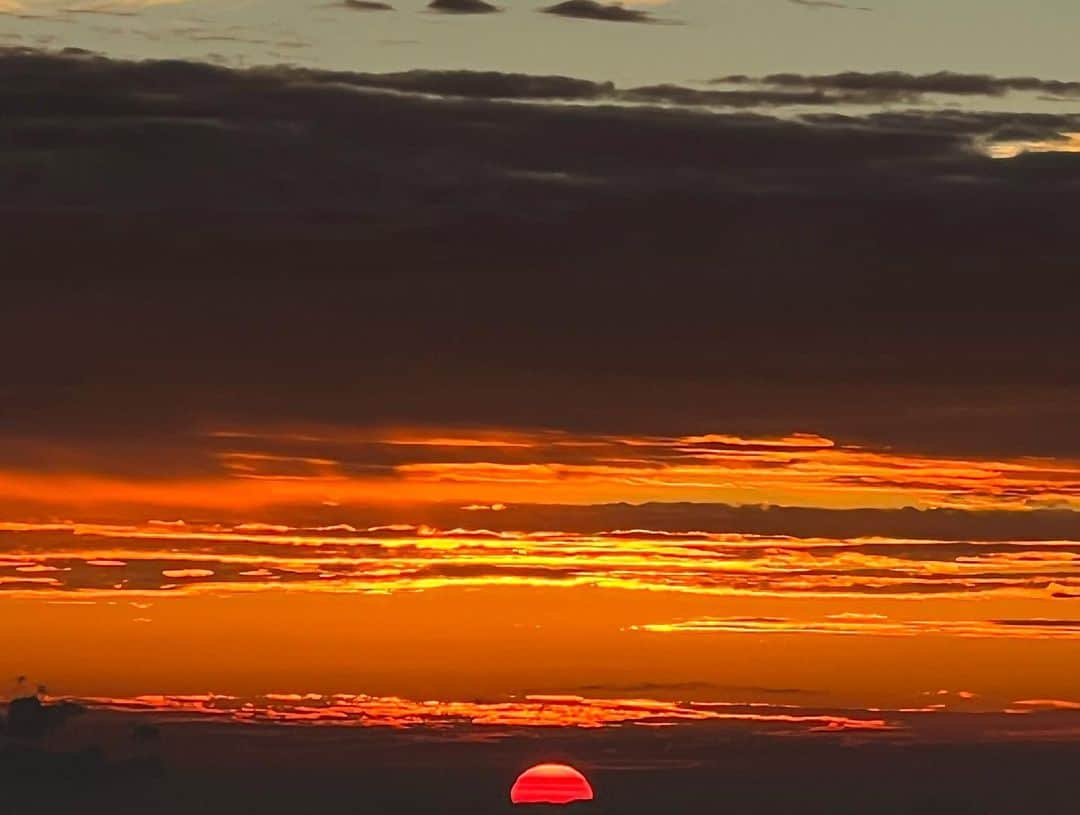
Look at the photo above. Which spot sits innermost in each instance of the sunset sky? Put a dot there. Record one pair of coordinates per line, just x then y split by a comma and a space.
612, 383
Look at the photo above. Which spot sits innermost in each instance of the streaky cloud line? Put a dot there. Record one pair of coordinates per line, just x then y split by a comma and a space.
323, 466
876, 626
531, 711
1026, 720
190, 557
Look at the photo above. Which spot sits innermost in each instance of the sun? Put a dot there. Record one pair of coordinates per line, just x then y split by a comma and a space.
550, 784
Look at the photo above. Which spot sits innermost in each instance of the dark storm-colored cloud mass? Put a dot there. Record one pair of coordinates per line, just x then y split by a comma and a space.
593, 10
300, 115
462, 7
423, 209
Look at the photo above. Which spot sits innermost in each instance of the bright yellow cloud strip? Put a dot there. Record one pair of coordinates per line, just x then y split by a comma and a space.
125, 559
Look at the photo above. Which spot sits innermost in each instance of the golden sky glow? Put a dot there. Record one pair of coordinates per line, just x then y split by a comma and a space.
249, 544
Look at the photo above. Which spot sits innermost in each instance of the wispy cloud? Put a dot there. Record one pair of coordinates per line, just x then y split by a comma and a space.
1048, 704
454, 721
263, 468
829, 4
851, 87
877, 626
152, 557
533, 711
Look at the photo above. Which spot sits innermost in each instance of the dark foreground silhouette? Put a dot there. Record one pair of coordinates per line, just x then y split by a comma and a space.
59, 759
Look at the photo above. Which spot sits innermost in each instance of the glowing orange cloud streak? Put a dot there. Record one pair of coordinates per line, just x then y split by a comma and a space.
384, 559
534, 711
485, 468
1036, 629
1048, 704
652, 542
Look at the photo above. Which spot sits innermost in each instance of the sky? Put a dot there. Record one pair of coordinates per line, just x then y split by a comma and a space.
392, 391
701, 39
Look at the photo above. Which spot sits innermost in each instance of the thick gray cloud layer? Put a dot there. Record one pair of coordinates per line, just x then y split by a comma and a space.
313, 124
782, 272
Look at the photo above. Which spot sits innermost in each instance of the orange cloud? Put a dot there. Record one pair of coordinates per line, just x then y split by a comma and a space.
533, 711
1035, 629
174, 573
341, 558
340, 466
1048, 704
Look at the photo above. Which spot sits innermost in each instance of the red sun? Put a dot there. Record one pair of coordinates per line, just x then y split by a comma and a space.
550, 784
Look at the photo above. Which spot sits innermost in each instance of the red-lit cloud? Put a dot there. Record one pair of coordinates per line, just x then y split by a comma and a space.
1045, 720
533, 711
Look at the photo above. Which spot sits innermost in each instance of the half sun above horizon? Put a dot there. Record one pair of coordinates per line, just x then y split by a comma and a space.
550, 784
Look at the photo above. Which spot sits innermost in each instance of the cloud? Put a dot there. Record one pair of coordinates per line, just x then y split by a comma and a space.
56, 9
954, 528
1048, 704
533, 711
214, 108
483, 85
898, 86
695, 97
391, 558
594, 10
366, 5
1034, 629
462, 7
932, 347
829, 4
263, 468
181, 573
682, 687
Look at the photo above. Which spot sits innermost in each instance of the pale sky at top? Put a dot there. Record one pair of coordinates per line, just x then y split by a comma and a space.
715, 37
